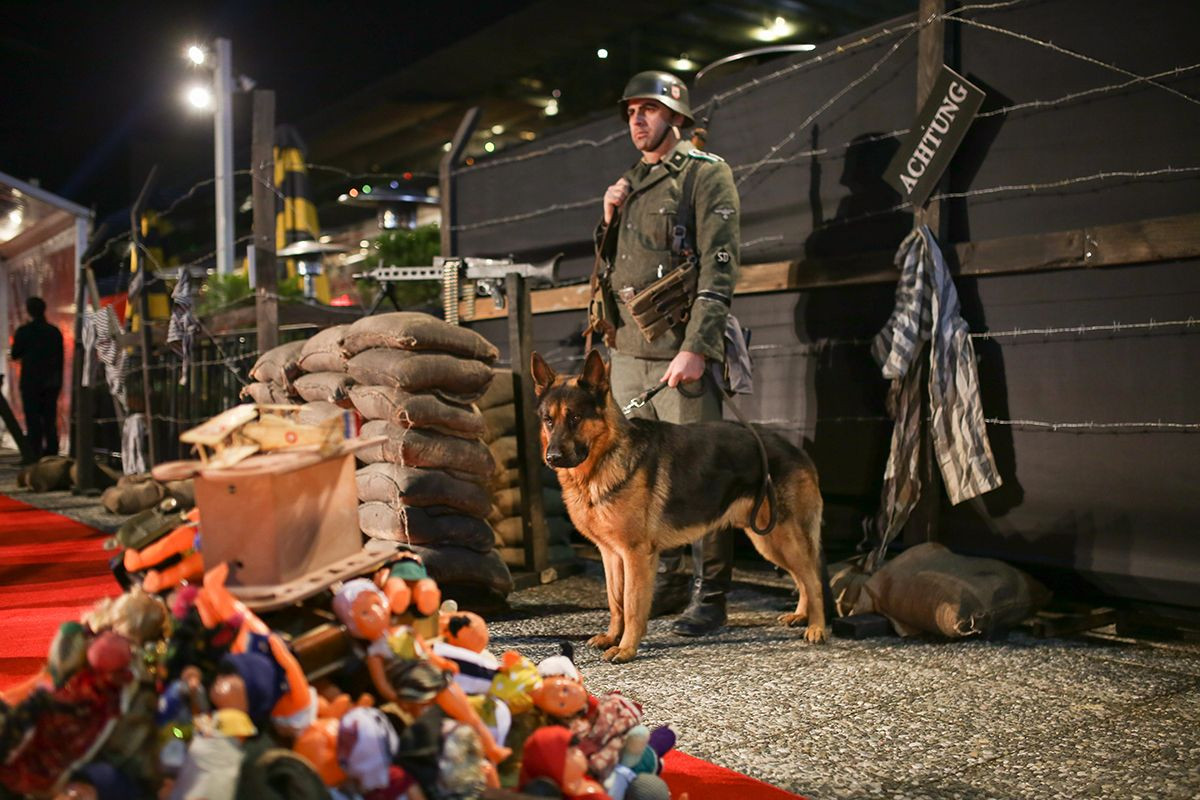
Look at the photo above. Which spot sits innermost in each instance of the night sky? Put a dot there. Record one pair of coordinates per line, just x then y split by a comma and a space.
92, 90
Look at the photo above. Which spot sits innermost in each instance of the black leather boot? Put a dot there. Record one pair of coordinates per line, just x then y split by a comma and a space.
713, 562
672, 585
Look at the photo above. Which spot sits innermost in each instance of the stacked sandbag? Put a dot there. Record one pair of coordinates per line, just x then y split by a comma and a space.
414, 381
500, 415
134, 493
273, 375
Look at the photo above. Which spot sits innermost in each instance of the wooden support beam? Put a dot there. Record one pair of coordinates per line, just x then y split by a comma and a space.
143, 301
535, 534
262, 167
931, 54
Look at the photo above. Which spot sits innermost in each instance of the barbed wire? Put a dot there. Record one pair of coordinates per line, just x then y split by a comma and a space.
1155, 426
1072, 54
470, 226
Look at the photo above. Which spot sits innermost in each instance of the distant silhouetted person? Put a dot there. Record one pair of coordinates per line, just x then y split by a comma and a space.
38, 345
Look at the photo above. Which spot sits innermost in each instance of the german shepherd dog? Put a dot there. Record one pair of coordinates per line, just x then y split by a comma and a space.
637, 487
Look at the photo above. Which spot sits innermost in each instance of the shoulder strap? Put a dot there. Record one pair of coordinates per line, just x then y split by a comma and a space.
683, 239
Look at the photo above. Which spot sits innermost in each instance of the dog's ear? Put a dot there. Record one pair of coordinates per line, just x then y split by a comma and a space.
595, 372
543, 375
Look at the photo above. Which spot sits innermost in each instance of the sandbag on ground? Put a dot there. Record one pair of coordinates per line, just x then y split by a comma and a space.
330, 387
50, 474
928, 588
394, 485
414, 447
423, 526
132, 494
279, 365
323, 352
460, 566
458, 379
417, 410
410, 330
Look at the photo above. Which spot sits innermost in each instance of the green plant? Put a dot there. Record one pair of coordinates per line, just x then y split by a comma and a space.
222, 291
405, 248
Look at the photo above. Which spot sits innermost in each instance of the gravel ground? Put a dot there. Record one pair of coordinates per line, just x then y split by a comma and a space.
1090, 716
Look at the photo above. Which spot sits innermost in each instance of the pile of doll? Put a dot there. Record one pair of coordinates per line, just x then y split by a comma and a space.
191, 695
413, 379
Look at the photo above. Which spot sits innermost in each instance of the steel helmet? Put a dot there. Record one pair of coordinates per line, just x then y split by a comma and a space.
661, 86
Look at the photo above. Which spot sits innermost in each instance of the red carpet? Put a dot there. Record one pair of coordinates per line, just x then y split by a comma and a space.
705, 781
52, 569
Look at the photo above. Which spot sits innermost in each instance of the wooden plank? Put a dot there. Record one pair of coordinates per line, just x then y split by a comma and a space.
262, 149
1141, 242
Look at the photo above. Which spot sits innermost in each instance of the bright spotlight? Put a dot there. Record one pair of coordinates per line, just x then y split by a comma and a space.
196, 54
551, 108
779, 29
683, 63
200, 97
601, 53
497, 129
489, 147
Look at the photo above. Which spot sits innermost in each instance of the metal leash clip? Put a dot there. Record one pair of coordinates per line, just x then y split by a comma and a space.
643, 398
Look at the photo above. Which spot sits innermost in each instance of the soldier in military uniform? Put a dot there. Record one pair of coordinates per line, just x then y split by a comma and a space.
645, 203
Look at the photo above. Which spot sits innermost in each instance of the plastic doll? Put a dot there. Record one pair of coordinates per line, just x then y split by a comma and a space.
296, 708
184, 541
413, 596
551, 755
364, 609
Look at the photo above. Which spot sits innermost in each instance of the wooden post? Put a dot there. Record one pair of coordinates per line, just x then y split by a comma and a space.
262, 167
446, 179
922, 524
931, 54
83, 397
529, 448
144, 310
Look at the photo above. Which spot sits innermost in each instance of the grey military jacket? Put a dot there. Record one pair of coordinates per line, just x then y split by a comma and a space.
642, 253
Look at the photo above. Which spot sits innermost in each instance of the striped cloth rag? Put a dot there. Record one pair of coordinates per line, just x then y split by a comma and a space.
927, 310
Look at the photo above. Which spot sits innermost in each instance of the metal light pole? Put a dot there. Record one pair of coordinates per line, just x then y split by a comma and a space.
223, 155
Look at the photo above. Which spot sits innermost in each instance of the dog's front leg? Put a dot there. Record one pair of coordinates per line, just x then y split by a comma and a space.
640, 566
614, 585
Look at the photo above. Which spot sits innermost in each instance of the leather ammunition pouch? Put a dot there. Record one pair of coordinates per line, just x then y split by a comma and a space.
665, 303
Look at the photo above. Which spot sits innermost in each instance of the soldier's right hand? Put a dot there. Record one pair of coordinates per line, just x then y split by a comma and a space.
614, 196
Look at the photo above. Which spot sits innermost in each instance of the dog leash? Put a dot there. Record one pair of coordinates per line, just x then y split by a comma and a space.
767, 490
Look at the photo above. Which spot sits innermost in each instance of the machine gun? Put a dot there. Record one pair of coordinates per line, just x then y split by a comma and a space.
488, 274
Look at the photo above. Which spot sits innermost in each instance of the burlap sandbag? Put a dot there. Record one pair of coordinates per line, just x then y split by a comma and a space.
461, 380
265, 393
846, 581
505, 478
414, 447
323, 351
279, 365
451, 566
508, 502
184, 492
130, 498
417, 410
504, 450
419, 526
103, 476
929, 589
510, 531
317, 412
500, 421
500, 392
50, 474
410, 330
330, 387
413, 486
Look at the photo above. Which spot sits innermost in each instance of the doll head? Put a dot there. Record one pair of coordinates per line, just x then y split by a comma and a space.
363, 609
465, 629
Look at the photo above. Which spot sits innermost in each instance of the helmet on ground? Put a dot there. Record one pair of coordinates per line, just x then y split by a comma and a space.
661, 86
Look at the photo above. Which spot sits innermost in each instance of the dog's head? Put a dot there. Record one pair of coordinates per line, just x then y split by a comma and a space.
571, 410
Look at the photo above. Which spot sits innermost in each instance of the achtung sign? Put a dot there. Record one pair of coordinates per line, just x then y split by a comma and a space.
927, 149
